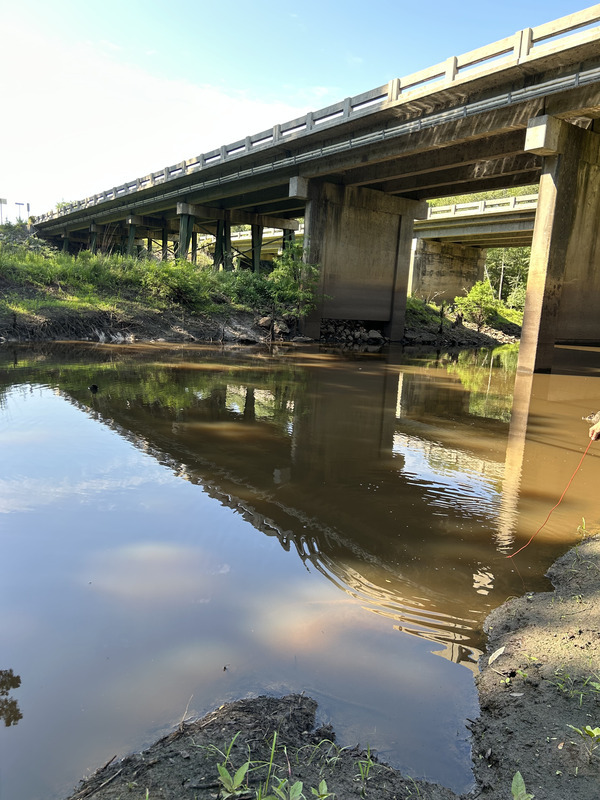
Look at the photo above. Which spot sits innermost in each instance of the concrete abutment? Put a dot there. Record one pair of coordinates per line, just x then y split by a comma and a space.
444, 270
362, 240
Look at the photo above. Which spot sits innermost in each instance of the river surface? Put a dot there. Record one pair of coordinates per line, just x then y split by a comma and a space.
213, 524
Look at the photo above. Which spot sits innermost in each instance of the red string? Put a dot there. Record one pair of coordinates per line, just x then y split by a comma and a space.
512, 555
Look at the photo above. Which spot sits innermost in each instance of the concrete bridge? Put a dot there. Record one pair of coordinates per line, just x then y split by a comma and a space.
449, 246
520, 111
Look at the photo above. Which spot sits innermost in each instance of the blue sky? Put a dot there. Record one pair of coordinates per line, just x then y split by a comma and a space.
94, 94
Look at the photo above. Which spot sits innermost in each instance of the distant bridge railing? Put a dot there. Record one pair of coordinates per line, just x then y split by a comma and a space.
497, 205
526, 45
245, 237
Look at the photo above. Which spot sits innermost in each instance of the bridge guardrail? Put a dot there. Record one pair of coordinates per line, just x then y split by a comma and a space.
496, 205
525, 45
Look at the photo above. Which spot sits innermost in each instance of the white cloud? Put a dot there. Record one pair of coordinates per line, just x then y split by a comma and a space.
81, 121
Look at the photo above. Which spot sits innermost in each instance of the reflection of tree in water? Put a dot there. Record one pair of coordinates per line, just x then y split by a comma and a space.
9, 708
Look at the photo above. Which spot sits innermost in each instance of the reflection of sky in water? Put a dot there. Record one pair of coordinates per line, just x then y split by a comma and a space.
450, 480
126, 590
56, 456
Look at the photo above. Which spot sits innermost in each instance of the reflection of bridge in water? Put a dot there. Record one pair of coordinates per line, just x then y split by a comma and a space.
267, 439
400, 497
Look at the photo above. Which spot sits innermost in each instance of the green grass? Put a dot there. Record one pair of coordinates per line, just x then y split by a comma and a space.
33, 280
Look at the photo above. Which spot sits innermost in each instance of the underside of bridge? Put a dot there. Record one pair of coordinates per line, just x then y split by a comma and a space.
360, 178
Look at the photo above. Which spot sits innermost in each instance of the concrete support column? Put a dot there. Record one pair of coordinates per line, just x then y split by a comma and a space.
564, 272
164, 249
186, 226
93, 240
130, 240
257, 234
289, 237
362, 240
444, 270
194, 247
223, 255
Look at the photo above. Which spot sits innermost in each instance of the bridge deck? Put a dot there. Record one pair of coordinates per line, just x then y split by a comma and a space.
455, 127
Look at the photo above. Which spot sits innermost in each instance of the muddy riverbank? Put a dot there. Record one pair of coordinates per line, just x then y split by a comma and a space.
539, 687
136, 322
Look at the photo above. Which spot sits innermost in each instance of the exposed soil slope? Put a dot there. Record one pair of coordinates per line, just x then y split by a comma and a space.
134, 322
546, 679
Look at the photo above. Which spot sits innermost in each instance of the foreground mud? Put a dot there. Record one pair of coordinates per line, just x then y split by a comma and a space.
540, 676
276, 735
545, 678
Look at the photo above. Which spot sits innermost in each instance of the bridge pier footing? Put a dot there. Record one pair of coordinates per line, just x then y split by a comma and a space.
564, 272
362, 240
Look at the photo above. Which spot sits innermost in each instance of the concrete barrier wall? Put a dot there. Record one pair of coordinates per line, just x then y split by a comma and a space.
444, 271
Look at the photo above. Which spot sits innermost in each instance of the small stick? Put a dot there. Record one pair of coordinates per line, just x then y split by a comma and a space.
185, 713
88, 793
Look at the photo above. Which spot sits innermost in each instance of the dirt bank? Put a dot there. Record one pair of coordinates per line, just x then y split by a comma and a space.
184, 764
544, 679
541, 675
135, 322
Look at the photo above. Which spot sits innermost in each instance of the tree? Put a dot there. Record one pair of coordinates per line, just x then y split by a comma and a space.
507, 269
17, 235
480, 305
293, 283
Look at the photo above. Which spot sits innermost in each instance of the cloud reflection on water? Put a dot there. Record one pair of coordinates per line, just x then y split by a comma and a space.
153, 572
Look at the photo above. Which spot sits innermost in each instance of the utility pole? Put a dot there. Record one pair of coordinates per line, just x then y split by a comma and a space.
2, 203
19, 213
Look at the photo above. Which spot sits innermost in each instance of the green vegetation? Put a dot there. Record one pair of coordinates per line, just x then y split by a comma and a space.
506, 267
365, 765
518, 788
36, 278
293, 283
481, 307
236, 782
515, 191
574, 686
420, 313
590, 737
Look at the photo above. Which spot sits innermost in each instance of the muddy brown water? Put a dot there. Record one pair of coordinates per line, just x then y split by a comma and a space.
213, 524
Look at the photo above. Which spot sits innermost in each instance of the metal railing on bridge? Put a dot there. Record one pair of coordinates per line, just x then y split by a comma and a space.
526, 45
496, 205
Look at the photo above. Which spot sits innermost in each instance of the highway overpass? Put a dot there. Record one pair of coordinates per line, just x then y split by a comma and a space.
520, 111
